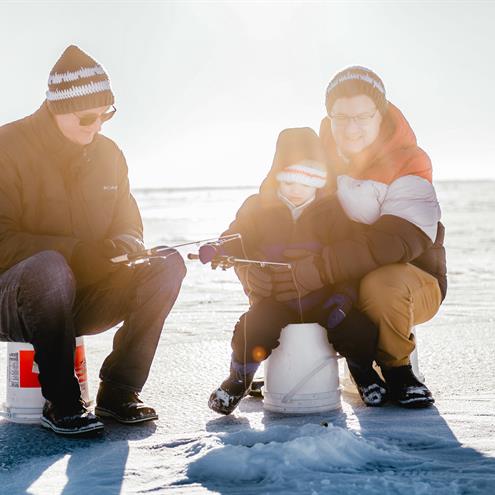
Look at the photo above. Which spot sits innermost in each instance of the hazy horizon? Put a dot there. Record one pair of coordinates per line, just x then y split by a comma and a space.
255, 186
204, 88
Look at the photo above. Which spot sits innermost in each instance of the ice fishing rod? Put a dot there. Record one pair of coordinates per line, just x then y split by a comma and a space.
164, 251
225, 262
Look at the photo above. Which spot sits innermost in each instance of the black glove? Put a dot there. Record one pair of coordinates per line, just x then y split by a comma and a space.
256, 282
91, 263
304, 276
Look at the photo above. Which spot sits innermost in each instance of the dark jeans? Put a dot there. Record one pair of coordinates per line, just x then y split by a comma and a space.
258, 330
39, 304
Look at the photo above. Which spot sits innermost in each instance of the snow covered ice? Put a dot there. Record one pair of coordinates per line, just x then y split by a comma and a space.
446, 449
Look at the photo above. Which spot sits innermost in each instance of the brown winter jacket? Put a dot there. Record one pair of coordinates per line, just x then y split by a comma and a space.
54, 193
268, 229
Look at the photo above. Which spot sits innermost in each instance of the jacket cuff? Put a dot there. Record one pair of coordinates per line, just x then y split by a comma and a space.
131, 244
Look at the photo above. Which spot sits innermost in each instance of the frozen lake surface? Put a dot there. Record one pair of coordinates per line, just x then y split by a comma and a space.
446, 449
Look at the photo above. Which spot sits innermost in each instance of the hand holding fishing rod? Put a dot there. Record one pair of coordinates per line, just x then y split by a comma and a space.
255, 275
213, 252
285, 281
306, 275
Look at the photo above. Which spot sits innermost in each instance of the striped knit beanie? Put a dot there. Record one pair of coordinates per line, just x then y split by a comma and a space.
77, 82
355, 81
308, 173
299, 157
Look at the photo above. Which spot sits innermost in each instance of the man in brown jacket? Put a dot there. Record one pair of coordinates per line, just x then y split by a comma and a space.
65, 211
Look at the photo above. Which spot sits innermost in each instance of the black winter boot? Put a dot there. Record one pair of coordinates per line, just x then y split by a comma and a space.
226, 398
370, 386
405, 388
75, 420
124, 406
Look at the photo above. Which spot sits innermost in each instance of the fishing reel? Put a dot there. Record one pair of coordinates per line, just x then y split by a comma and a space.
144, 256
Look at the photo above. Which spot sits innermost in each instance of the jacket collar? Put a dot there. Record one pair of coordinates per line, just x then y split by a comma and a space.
53, 142
394, 147
295, 211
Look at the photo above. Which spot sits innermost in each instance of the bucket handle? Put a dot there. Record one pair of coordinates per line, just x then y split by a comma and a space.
323, 362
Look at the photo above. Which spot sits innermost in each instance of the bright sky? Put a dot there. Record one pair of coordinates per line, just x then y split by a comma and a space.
204, 88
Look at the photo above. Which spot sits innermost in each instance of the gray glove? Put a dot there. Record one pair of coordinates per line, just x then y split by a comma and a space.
305, 275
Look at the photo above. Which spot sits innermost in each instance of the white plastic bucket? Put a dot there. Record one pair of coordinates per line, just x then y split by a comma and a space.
24, 401
348, 384
301, 375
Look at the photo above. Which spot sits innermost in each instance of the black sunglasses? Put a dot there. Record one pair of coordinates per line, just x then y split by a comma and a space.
91, 118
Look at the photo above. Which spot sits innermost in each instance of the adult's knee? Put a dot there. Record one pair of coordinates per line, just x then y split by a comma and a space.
162, 277
171, 268
48, 279
381, 287
175, 266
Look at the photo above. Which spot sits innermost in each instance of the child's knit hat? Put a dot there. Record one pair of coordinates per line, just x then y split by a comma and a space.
299, 157
308, 173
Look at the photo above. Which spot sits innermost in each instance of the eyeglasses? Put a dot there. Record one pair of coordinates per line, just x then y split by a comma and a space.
91, 118
361, 119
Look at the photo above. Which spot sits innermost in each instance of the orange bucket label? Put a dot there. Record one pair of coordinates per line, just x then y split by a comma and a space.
27, 379
25, 370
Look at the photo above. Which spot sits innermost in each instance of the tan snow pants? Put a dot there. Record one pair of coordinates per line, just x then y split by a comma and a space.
397, 297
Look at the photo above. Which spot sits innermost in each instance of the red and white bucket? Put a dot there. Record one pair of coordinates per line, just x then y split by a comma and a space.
24, 401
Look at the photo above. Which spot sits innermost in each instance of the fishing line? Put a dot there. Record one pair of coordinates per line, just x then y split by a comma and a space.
299, 297
244, 253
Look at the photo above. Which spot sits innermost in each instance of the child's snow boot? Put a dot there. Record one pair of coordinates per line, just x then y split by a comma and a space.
405, 388
370, 386
226, 398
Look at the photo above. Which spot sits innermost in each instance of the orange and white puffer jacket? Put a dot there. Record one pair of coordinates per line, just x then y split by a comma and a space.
387, 190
